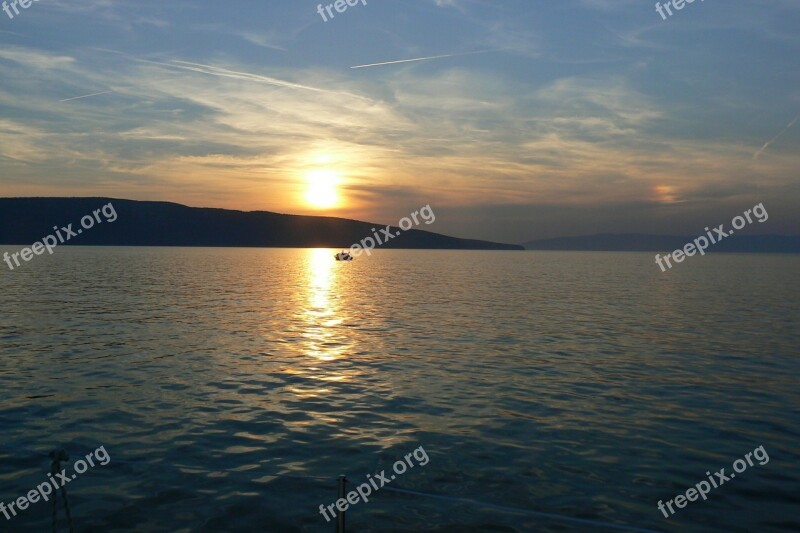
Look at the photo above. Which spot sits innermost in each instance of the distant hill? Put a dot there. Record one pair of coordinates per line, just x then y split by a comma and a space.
24, 221
634, 242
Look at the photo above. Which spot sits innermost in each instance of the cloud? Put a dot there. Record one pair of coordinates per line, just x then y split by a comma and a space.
595, 106
36, 59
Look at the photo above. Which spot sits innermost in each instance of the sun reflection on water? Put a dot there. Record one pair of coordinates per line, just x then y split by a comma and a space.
323, 313
323, 343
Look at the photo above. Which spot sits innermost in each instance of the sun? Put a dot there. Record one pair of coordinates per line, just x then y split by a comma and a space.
321, 192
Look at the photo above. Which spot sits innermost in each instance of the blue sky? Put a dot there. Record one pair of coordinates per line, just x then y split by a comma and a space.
576, 117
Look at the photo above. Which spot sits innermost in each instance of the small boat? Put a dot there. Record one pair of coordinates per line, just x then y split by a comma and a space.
344, 255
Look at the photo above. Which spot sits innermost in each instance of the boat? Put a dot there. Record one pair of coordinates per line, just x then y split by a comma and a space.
344, 255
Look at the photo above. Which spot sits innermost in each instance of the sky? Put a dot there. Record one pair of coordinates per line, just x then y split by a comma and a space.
532, 119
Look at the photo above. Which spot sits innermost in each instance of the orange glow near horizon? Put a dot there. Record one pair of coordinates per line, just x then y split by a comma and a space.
666, 194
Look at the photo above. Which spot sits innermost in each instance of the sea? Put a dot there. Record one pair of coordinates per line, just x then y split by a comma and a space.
550, 391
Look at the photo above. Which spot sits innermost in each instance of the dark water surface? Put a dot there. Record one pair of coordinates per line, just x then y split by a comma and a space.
590, 385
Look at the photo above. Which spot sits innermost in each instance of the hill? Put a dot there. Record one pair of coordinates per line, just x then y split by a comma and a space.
635, 242
27, 220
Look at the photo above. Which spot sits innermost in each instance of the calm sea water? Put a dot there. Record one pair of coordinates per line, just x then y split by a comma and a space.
589, 385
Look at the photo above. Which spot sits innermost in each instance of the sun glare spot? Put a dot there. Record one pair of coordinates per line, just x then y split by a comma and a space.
321, 192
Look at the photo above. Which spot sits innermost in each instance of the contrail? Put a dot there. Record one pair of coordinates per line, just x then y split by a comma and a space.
422, 59
85, 96
784, 130
226, 73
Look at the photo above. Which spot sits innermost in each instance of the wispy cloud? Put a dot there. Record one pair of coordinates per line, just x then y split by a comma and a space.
232, 107
223, 72
36, 59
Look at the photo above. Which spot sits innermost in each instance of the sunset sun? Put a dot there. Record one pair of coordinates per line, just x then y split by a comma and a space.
321, 190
